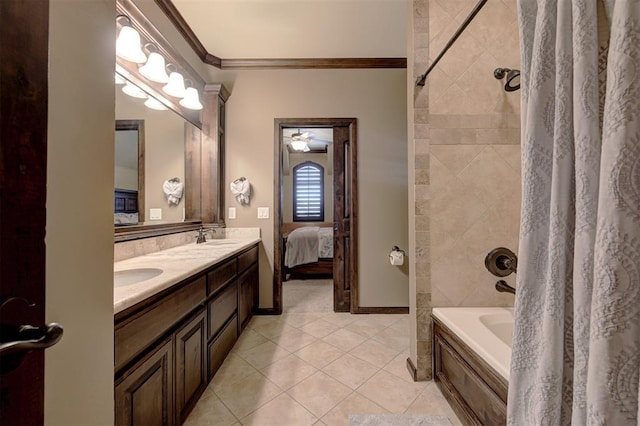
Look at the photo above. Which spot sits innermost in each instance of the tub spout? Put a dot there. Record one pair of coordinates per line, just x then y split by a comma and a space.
503, 287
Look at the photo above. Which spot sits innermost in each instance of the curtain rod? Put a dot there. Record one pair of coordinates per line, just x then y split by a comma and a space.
423, 78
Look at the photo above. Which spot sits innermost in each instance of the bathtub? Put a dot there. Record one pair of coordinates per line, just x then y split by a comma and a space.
487, 331
471, 358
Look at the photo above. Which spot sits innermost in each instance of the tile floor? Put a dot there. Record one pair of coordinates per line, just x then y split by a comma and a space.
316, 367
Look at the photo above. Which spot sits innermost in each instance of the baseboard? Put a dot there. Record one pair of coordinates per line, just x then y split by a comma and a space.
381, 310
412, 370
266, 311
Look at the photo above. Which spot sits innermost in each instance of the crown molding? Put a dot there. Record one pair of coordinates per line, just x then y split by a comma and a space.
313, 63
172, 13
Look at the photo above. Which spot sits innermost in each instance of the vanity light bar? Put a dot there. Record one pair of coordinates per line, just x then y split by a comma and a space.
129, 47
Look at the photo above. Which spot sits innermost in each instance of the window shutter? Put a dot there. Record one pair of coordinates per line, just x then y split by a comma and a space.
308, 192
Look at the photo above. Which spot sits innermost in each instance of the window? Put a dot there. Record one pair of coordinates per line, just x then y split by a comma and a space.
308, 192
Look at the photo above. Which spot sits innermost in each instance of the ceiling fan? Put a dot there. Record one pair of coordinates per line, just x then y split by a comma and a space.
299, 141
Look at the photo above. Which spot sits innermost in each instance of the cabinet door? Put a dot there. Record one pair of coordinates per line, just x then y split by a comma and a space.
248, 286
144, 394
190, 364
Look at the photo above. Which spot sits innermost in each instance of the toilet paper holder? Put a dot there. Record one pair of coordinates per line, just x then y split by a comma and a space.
396, 248
396, 257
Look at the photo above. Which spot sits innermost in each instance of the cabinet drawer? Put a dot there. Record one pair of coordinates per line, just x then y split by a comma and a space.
134, 334
221, 275
221, 345
221, 307
247, 258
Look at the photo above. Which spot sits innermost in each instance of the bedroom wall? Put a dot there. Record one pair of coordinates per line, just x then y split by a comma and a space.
377, 98
287, 195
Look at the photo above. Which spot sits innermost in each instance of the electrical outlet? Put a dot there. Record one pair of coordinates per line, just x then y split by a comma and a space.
155, 214
263, 212
232, 212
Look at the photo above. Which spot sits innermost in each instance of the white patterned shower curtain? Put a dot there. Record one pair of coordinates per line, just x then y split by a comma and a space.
576, 349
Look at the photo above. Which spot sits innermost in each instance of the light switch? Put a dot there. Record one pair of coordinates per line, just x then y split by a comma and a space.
232, 212
155, 214
263, 212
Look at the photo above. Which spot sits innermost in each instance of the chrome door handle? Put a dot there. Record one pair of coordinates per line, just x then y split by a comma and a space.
30, 338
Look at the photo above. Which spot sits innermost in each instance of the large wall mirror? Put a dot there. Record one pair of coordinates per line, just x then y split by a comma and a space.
170, 145
150, 162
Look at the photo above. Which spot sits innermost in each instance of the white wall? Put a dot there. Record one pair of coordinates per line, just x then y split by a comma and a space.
377, 98
79, 239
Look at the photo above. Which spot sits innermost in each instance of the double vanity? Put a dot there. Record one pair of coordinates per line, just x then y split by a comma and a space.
178, 313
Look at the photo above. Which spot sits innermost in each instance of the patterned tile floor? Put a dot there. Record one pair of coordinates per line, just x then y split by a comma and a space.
316, 368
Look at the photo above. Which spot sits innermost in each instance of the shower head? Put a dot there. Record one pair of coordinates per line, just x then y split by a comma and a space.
513, 78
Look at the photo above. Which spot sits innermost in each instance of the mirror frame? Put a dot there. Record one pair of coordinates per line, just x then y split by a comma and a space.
137, 125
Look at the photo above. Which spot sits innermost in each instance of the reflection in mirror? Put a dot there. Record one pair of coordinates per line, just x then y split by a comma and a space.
310, 146
161, 160
129, 172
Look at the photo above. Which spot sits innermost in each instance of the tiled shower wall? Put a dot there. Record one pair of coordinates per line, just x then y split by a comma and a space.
473, 128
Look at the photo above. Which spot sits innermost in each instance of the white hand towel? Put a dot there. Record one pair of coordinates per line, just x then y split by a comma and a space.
241, 189
173, 190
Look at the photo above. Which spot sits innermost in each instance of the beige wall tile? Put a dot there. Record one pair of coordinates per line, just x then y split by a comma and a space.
455, 158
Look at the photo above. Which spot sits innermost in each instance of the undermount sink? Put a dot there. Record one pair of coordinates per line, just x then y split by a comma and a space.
134, 276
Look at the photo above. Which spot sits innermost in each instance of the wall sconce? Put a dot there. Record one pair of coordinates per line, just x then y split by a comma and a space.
128, 43
154, 69
175, 87
191, 99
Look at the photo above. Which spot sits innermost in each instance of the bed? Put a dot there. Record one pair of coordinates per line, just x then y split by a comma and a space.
125, 207
307, 249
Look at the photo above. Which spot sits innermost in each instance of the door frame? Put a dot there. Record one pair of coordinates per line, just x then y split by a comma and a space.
278, 249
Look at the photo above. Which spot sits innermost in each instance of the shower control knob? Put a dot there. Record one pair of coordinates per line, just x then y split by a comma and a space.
501, 262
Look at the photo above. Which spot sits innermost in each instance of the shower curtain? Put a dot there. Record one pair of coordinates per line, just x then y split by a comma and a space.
576, 349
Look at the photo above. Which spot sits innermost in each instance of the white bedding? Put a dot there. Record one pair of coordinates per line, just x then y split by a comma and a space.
307, 245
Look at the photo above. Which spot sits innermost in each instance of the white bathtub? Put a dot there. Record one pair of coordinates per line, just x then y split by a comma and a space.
488, 331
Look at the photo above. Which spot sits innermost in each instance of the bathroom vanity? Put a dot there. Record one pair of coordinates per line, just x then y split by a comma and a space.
174, 330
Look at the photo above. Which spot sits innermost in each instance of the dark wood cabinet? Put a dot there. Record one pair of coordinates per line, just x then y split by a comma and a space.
169, 346
144, 395
248, 288
190, 363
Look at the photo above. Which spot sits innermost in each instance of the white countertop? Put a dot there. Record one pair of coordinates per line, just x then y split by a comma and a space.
177, 264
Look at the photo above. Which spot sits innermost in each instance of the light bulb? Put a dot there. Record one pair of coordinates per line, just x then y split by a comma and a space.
191, 100
155, 104
128, 45
134, 91
299, 145
154, 69
175, 87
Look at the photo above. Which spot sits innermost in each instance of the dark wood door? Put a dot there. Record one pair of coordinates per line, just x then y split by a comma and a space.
24, 39
343, 201
144, 394
190, 364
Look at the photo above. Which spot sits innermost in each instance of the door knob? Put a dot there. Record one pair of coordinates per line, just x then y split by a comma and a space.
18, 340
30, 338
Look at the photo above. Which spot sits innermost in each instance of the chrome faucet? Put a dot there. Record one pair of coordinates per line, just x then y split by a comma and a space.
202, 237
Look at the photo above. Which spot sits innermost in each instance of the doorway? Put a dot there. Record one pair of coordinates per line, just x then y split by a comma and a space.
342, 154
